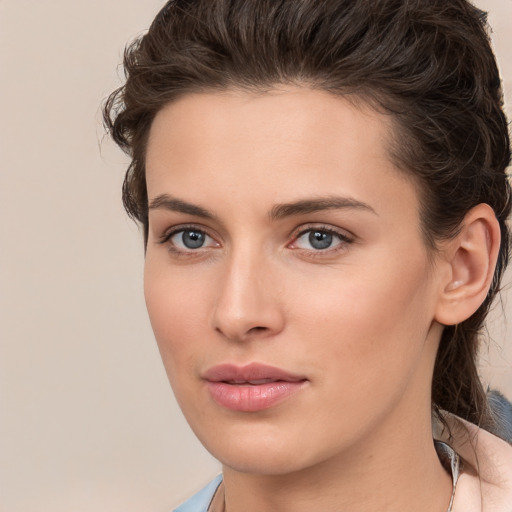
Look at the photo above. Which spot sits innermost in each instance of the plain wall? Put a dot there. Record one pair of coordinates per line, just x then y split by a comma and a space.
87, 418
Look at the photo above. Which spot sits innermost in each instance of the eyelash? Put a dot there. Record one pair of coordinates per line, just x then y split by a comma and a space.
165, 239
342, 237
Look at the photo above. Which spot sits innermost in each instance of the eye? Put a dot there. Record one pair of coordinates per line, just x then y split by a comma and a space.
319, 239
189, 239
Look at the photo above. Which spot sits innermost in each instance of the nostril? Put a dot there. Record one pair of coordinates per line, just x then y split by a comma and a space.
257, 329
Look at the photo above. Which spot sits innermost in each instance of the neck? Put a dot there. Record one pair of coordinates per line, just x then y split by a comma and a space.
397, 469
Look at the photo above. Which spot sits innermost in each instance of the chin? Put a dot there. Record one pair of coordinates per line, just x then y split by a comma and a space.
262, 461
264, 453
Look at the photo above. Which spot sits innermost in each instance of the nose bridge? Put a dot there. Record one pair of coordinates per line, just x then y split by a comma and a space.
246, 302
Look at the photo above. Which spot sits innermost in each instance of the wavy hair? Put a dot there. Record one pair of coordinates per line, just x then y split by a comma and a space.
426, 63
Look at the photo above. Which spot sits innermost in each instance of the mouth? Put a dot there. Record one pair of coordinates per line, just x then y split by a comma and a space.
251, 388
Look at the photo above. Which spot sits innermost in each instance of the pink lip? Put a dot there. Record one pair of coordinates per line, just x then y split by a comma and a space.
251, 388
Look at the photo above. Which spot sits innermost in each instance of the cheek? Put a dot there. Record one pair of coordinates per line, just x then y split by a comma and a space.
368, 322
174, 303
364, 340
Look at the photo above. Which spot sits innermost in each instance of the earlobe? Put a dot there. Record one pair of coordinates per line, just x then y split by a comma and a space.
471, 257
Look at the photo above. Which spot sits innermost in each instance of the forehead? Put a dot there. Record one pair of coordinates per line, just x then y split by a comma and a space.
299, 140
236, 113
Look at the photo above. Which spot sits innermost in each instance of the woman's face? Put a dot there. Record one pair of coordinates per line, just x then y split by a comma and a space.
288, 285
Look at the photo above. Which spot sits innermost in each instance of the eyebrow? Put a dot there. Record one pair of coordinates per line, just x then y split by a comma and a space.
166, 202
279, 211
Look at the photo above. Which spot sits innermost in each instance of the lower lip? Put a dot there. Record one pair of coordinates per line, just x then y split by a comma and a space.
252, 398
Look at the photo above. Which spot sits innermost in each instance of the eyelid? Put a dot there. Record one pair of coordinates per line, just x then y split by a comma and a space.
174, 230
343, 235
328, 228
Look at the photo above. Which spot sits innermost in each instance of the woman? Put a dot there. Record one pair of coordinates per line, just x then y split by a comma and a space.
323, 195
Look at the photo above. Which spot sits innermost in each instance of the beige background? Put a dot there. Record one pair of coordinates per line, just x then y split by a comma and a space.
87, 420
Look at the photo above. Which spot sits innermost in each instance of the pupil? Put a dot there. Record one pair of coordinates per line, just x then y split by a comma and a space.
193, 239
320, 240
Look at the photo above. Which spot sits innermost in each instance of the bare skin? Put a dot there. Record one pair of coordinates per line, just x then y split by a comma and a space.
282, 234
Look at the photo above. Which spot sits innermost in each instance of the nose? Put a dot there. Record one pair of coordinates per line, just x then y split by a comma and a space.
248, 303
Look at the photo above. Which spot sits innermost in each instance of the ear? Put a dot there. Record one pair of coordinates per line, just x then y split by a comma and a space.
470, 258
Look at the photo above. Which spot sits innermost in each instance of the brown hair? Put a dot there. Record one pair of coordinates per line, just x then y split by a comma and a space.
427, 63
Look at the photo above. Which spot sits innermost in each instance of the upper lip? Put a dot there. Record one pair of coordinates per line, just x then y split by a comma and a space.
255, 373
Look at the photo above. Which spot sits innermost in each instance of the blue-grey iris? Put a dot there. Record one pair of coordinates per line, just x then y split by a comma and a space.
193, 239
320, 239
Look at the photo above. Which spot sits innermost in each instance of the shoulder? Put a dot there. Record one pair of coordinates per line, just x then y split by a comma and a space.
485, 483
201, 500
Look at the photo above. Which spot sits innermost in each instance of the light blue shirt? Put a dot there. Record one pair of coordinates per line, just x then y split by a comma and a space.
201, 501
